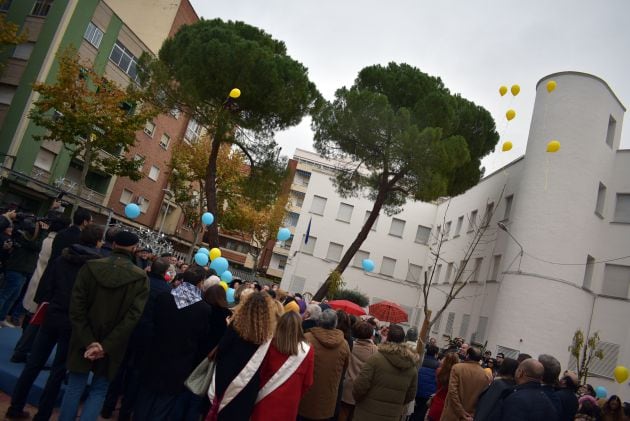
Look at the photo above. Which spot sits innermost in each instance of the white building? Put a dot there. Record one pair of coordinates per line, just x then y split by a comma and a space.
570, 212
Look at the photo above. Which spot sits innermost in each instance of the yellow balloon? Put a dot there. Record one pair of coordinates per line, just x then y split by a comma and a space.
235, 93
515, 89
621, 374
510, 114
506, 146
553, 146
214, 253
503, 90
551, 86
224, 285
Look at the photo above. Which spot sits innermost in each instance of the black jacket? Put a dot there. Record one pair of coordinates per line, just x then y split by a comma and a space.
218, 325
490, 399
568, 404
528, 402
143, 333
60, 281
181, 340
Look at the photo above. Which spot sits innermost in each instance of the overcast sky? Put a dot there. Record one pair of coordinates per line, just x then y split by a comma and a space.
474, 46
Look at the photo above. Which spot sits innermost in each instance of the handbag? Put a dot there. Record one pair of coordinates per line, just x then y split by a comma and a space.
198, 382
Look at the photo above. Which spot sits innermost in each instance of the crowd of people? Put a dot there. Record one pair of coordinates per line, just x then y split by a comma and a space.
130, 330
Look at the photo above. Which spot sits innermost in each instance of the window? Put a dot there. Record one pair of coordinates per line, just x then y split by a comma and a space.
622, 208
601, 200
448, 329
588, 272
458, 227
463, 328
5, 5
149, 128
344, 214
422, 234
508, 207
44, 159
436, 325
302, 178
126, 196
472, 223
447, 230
165, 140
414, 272
488, 215
23, 51
480, 334
154, 173
139, 158
616, 281
193, 131
334, 252
318, 205
496, 265
397, 227
477, 269
144, 204
449, 273
291, 219
359, 257
297, 198
309, 247
41, 8
606, 366
175, 113
125, 60
437, 274
367, 215
610, 133
436, 237
6, 93
282, 262
508, 352
387, 266
93, 35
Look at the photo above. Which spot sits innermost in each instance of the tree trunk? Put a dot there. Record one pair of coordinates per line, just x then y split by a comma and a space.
194, 242
356, 244
211, 185
87, 157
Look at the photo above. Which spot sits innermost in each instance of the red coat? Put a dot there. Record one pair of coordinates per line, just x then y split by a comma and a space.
437, 403
282, 404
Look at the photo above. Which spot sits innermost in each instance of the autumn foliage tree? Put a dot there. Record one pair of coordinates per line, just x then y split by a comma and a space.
95, 119
10, 35
196, 70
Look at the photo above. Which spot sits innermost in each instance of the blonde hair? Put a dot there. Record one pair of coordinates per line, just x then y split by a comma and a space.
289, 333
255, 320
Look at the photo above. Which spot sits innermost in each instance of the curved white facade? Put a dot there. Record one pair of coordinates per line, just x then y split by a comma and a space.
566, 208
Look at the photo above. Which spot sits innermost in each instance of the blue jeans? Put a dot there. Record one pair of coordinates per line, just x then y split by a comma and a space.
72, 397
13, 283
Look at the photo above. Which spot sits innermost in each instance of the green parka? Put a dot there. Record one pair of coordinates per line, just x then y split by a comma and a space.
107, 301
388, 381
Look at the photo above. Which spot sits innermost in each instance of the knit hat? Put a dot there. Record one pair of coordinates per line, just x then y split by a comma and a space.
292, 306
587, 398
126, 239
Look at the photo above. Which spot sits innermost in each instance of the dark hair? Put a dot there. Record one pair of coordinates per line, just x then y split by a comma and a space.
590, 390
372, 321
362, 330
588, 408
159, 266
111, 233
271, 293
607, 404
432, 350
501, 354
257, 286
396, 334
215, 296
58, 223
473, 354
353, 319
343, 324
508, 367
80, 216
194, 275
522, 357
91, 235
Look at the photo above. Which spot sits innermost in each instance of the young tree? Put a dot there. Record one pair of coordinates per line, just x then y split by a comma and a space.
584, 350
197, 69
405, 136
94, 118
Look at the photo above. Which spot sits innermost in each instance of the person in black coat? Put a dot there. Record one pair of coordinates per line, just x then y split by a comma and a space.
503, 382
427, 382
528, 402
181, 326
56, 328
215, 296
567, 396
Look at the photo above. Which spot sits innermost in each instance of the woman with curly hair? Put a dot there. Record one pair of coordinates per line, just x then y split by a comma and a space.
443, 374
239, 356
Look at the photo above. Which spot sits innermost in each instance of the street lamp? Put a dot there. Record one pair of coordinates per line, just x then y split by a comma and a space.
168, 205
502, 226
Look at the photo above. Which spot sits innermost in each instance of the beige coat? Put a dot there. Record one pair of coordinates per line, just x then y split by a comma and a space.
361, 351
42, 262
466, 383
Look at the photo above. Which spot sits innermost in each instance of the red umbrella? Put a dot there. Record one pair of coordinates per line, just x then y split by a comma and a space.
347, 306
387, 311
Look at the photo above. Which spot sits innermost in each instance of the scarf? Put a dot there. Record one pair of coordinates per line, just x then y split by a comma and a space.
186, 295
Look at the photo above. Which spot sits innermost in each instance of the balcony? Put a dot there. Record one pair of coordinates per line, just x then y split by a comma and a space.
72, 186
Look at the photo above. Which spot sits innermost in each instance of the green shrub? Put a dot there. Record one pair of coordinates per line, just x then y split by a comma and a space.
353, 295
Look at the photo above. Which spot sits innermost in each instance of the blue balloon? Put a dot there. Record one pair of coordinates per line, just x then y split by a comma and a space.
227, 276
204, 251
601, 392
220, 265
207, 218
132, 211
368, 265
284, 234
201, 259
229, 294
